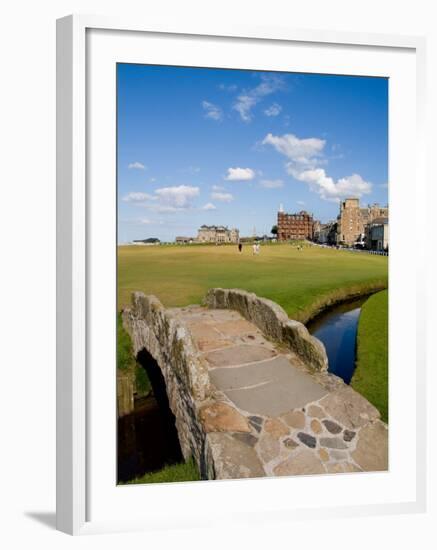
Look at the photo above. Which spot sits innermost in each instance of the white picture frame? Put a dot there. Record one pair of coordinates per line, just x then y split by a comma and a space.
74, 339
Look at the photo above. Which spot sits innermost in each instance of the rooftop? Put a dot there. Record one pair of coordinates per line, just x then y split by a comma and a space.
216, 228
380, 221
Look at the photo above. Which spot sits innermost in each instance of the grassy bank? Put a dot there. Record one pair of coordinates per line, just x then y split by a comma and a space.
301, 281
126, 361
178, 472
371, 375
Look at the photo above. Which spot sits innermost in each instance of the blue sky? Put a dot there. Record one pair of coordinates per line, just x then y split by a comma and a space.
213, 146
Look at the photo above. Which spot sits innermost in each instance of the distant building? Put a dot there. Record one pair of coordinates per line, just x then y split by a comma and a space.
295, 226
353, 220
316, 229
217, 234
184, 240
150, 241
327, 233
377, 234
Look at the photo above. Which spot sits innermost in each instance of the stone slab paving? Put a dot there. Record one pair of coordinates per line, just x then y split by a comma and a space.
267, 388
269, 415
239, 354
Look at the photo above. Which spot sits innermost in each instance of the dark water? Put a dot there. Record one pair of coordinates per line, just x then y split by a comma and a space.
146, 442
337, 329
147, 439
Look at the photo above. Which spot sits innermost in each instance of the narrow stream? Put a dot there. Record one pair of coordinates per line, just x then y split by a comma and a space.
146, 442
337, 329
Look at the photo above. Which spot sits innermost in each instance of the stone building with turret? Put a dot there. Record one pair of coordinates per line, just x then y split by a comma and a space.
353, 220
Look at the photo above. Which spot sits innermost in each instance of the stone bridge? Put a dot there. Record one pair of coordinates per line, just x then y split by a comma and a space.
250, 391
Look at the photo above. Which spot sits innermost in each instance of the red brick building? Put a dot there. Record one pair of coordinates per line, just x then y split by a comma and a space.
295, 226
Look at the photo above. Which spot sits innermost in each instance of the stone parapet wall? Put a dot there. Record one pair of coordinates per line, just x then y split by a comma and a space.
156, 329
272, 320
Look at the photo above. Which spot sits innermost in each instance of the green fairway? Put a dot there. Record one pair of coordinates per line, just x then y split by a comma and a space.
371, 374
299, 280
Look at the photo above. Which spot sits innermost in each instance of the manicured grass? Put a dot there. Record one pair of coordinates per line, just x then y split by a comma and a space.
178, 472
371, 374
301, 281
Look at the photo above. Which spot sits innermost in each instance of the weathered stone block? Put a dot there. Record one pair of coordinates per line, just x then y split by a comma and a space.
315, 411
349, 408
295, 419
307, 439
232, 459
332, 443
309, 348
371, 453
332, 427
276, 428
221, 417
268, 448
301, 462
290, 443
316, 427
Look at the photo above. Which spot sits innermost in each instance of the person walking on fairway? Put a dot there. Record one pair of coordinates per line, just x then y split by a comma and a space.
254, 249
240, 247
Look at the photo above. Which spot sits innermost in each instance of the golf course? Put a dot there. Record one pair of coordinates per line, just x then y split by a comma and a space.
301, 281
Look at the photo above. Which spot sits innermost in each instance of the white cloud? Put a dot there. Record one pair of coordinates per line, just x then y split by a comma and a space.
301, 203
244, 105
177, 197
305, 157
249, 98
272, 184
228, 87
209, 206
138, 197
332, 190
137, 166
273, 110
166, 209
166, 199
224, 197
240, 174
212, 111
140, 221
218, 188
299, 151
